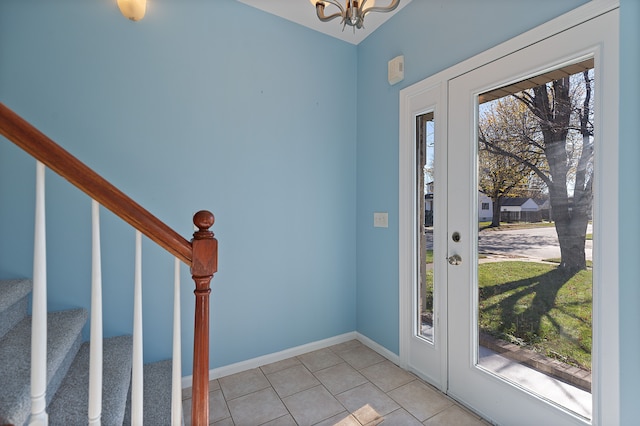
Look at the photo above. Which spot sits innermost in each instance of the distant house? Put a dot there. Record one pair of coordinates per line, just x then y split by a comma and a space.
520, 209
544, 205
485, 208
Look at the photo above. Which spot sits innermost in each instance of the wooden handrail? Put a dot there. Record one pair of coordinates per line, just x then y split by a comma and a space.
38, 145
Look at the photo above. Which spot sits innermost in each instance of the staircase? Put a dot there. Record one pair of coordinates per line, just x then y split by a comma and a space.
53, 386
68, 368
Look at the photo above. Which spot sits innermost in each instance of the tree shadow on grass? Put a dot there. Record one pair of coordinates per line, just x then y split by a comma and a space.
524, 320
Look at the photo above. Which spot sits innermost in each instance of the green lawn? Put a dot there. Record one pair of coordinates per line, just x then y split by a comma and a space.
429, 256
539, 306
534, 305
558, 260
429, 284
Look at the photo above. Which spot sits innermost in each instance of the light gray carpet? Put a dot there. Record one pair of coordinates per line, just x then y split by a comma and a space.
157, 395
70, 404
63, 342
14, 297
68, 368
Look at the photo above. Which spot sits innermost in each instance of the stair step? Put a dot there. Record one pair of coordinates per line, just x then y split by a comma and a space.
14, 297
63, 342
157, 394
70, 404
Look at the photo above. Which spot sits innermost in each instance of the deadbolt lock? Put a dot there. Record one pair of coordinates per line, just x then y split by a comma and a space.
455, 237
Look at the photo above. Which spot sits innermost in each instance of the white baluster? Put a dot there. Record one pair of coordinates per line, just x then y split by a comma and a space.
137, 368
95, 353
39, 316
176, 378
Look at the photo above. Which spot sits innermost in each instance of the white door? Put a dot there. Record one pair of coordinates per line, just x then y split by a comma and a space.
498, 384
450, 351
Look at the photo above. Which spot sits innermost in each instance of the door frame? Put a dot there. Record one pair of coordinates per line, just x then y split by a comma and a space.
606, 379
430, 98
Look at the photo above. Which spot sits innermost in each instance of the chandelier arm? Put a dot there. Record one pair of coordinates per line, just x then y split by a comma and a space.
324, 18
320, 10
392, 6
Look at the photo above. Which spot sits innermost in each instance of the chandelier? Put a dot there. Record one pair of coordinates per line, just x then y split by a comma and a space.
353, 12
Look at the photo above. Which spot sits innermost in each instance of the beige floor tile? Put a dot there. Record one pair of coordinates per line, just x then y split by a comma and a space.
345, 346
292, 380
367, 403
312, 406
419, 399
399, 417
218, 409
454, 415
342, 419
360, 357
387, 376
224, 422
243, 383
345, 385
340, 377
280, 365
282, 421
256, 408
320, 359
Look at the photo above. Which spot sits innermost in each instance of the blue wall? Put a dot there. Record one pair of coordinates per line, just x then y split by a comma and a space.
212, 105
432, 36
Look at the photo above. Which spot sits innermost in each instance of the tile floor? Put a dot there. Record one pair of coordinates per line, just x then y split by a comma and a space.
346, 384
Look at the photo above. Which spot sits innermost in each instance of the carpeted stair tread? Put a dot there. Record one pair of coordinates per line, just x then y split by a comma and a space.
14, 297
157, 394
63, 342
70, 404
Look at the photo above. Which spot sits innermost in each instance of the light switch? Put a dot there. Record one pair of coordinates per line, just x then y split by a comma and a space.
381, 220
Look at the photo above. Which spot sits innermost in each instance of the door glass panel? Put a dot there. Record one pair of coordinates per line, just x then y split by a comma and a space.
535, 195
425, 145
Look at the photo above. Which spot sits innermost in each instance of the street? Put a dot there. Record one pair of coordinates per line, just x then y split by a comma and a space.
536, 243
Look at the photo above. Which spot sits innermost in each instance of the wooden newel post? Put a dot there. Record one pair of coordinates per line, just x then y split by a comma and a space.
204, 264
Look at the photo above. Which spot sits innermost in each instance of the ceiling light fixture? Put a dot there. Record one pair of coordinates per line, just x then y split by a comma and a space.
133, 9
353, 12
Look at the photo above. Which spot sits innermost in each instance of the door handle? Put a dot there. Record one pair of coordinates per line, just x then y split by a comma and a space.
455, 259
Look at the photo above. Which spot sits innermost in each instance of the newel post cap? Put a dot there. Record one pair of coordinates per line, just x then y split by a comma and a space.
205, 246
203, 220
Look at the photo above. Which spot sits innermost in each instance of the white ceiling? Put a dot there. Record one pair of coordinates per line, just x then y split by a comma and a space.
303, 13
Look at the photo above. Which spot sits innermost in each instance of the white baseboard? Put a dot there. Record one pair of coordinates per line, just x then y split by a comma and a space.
238, 367
378, 348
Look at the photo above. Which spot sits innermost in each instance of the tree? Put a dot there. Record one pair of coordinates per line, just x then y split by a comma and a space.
505, 126
564, 112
